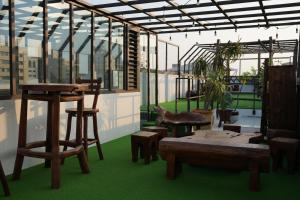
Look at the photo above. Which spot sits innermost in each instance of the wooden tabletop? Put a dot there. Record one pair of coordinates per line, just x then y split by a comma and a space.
54, 87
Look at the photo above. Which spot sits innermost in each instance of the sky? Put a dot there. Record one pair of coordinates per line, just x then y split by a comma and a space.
284, 32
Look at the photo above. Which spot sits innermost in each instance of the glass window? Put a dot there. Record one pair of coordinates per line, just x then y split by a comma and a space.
144, 50
58, 45
4, 49
82, 42
152, 51
162, 56
101, 49
29, 35
172, 58
117, 55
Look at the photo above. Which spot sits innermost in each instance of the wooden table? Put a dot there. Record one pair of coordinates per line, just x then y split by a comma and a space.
53, 94
228, 152
187, 119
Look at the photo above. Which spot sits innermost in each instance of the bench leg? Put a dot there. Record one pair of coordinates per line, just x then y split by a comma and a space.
254, 176
4, 181
154, 151
291, 158
171, 171
134, 150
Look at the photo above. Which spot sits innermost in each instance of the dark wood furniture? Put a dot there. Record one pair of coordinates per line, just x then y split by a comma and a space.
94, 89
289, 147
187, 119
53, 94
4, 181
232, 127
215, 153
162, 131
281, 97
146, 143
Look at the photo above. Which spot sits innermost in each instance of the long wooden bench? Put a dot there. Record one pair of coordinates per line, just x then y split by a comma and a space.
215, 153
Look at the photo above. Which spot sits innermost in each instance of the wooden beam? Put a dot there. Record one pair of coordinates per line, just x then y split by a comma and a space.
264, 12
224, 13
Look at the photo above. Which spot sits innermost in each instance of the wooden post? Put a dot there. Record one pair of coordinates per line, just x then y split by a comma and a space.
148, 76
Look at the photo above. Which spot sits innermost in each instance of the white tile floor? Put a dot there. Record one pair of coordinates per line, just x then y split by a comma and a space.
248, 121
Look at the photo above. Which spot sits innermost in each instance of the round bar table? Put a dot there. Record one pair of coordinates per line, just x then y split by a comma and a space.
53, 94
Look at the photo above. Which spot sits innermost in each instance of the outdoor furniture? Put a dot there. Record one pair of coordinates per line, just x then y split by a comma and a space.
188, 119
94, 88
162, 131
146, 143
4, 181
232, 127
216, 151
281, 146
53, 94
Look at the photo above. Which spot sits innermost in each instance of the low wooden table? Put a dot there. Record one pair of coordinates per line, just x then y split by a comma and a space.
53, 94
220, 152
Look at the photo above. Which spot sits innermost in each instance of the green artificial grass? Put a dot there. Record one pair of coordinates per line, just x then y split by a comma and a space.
116, 177
182, 104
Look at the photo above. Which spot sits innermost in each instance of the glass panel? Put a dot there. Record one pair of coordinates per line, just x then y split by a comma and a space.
4, 49
101, 49
29, 35
117, 55
172, 58
152, 52
82, 43
58, 46
144, 50
162, 56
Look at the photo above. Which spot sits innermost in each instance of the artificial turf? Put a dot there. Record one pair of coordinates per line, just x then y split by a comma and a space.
117, 178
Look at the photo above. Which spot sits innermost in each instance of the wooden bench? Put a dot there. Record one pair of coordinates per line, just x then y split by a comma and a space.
228, 155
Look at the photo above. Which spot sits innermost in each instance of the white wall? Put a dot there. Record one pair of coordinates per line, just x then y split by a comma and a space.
119, 116
166, 87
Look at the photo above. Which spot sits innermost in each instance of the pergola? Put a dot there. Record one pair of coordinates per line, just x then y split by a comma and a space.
173, 16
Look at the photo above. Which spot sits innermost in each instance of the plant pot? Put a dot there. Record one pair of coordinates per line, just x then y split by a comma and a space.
225, 116
208, 114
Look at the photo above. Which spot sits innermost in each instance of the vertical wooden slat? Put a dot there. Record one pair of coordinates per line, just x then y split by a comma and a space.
109, 55
156, 72
148, 76
12, 48
92, 45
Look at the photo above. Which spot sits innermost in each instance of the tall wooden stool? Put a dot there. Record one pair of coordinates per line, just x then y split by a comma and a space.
281, 146
53, 94
95, 86
146, 142
4, 181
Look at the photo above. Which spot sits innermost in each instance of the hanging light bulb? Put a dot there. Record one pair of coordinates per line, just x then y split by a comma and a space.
258, 26
180, 17
198, 2
215, 33
193, 23
297, 30
186, 35
170, 38
276, 32
235, 29
199, 32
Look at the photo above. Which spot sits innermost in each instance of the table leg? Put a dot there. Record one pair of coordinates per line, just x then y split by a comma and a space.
175, 131
22, 137
254, 176
171, 168
55, 164
48, 135
4, 181
81, 156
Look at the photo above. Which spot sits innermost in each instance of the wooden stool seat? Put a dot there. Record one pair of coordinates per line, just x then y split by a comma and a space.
162, 131
146, 142
95, 86
4, 181
281, 146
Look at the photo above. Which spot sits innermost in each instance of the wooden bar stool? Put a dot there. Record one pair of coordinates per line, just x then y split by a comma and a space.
4, 181
146, 142
95, 86
53, 94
